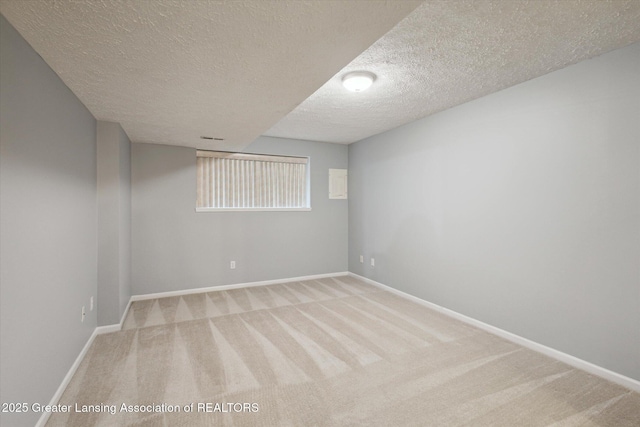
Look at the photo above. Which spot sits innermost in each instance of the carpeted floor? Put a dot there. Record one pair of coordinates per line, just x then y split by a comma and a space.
326, 352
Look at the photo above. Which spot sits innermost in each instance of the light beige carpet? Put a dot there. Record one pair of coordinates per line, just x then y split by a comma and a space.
325, 352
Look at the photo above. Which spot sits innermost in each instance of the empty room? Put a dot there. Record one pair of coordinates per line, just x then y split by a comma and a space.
320, 213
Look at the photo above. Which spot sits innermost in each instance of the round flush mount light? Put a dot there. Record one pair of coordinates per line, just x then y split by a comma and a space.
358, 81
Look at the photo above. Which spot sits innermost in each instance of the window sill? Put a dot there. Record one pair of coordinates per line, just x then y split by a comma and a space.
253, 209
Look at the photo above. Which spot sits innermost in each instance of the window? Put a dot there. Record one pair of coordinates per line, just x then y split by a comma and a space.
237, 181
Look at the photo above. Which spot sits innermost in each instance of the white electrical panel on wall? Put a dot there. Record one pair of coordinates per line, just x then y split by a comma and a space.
337, 183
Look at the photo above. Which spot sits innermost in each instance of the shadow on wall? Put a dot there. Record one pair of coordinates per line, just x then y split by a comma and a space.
160, 162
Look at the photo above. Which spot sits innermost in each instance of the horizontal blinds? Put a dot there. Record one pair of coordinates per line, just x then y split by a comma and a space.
250, 181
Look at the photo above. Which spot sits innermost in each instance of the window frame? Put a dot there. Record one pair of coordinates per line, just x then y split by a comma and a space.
256, 156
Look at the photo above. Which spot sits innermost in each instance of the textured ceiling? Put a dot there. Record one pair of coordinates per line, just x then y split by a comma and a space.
171, 71
446, 53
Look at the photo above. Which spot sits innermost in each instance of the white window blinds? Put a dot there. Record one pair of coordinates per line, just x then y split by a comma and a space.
246, 181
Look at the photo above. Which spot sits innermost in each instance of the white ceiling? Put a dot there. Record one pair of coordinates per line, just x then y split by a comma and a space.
446, 53
172, 71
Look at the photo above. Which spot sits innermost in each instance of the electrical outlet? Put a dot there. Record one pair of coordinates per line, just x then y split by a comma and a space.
373, 262
232, 265
91, 304
361, 259
83, 314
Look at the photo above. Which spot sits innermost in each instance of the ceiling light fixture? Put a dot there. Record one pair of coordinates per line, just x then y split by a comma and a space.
358, 81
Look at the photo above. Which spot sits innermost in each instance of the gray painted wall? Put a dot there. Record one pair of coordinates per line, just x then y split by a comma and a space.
520, 209
48, 225
125, 221
175, 248
114, 222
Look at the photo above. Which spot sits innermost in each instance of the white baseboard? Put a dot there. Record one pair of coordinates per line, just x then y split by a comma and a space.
107, 329
65, 382
124, 314
548, 351
234, 286
118, 327
67, 378
532, 345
